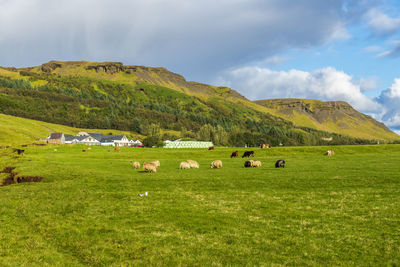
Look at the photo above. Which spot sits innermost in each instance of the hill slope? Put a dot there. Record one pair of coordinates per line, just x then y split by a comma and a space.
110, 95
330, 116
17, 131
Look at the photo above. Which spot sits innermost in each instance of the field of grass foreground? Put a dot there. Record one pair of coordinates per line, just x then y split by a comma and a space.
319, 210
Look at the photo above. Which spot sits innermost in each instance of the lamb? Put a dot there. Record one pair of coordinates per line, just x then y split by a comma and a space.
184, 165
257, 164
216, 164
149, 167
330, 153
235, 154
136, 164
193, 164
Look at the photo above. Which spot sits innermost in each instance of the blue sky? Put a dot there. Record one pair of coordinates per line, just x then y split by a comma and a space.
321, 49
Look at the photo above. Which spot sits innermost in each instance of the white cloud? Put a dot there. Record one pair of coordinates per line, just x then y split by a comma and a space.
390, 100
381, 23
275, 61
394, 52
372, 49
324, 84
368, 84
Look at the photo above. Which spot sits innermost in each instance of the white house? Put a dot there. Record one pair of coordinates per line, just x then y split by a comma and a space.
89, 140
115, 140
86, 138
135, 143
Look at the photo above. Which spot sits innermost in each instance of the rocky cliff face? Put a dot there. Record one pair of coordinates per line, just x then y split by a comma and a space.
331, 116
107, 67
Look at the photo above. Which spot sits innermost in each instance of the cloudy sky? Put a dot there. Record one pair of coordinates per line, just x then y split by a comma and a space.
320, 49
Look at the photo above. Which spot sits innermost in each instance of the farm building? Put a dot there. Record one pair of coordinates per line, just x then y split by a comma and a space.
187, 144
86, 138
56, 138
114, 140
135, 143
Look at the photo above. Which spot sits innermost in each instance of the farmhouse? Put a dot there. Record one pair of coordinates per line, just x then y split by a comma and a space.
89, 139
115, 140
135, 143
56, 138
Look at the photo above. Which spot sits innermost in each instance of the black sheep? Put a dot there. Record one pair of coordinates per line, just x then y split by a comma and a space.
247, 164
280, 163
248, 154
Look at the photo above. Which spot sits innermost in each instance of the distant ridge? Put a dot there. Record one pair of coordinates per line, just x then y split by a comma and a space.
331, 116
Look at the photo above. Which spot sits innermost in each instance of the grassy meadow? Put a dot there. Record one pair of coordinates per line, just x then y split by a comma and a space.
322, 211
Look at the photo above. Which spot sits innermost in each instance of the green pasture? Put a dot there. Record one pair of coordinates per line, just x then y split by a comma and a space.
320, 211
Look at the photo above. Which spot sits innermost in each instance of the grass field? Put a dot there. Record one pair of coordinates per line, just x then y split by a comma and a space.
342, 210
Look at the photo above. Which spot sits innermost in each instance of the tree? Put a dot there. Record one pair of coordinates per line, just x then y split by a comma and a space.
183, 131
206, 133
219, 136
153, 132
136, 126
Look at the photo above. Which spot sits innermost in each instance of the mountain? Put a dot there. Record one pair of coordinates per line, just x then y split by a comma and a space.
110, 95
330, 116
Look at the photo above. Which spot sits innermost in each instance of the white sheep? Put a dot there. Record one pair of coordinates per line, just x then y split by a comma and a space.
216, 164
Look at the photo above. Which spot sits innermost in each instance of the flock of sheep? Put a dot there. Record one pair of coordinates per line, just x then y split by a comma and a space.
152, 166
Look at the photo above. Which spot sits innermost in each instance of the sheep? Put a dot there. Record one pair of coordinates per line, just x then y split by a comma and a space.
149, 167
248, 154
257, 164
330, 153
248, 163
280, 163
19, 151
136, 164
216, 164
193, 164
157, 163
184, 165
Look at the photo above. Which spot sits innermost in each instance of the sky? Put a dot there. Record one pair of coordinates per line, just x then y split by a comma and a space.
318, 49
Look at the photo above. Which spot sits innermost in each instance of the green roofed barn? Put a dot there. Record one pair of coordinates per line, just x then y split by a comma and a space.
187, 144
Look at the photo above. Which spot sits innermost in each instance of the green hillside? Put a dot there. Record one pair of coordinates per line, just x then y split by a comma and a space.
110, 95
17, 131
